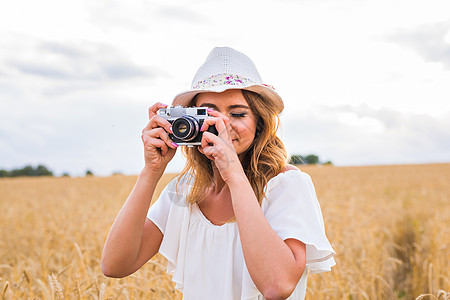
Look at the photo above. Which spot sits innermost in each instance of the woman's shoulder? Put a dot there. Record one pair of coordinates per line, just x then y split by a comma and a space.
290, 172
289, 178
289, 167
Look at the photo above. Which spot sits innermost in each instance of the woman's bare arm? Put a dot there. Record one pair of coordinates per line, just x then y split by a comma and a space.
275, 266
133, 239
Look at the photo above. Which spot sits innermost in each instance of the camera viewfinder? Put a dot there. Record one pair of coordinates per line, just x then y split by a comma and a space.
201, 111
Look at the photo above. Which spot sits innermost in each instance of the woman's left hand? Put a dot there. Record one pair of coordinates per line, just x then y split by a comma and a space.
219, 148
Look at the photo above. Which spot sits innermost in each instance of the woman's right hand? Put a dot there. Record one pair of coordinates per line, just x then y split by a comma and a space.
158, 147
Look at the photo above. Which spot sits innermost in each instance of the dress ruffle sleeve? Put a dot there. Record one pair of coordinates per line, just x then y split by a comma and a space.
292, 209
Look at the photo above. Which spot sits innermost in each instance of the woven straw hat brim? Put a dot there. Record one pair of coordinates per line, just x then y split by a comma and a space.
269, 95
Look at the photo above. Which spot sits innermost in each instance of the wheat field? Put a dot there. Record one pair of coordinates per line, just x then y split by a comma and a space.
388, 224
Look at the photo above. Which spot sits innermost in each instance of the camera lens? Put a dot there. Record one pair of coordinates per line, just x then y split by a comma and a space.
185, 128
182, 128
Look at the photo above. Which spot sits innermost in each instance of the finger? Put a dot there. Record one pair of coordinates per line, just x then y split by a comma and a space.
152, 143
218, 114
201, 150
157, 121
208, 139
155, 143
153, 110
218, 122
161, 134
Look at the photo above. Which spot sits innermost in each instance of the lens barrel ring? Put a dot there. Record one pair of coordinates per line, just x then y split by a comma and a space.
185, 128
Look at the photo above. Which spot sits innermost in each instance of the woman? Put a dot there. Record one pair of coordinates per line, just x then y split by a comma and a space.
238, 222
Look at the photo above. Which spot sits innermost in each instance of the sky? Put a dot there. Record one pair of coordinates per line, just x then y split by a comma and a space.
364, 82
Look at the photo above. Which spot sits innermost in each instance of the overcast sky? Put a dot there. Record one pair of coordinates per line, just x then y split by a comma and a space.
364, 82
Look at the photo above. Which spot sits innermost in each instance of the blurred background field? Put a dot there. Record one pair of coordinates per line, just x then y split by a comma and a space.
388, 224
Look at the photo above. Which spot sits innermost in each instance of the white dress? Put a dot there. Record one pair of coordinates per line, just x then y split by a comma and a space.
206, 260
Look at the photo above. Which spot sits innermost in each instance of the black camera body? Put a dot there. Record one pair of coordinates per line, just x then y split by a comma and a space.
186, 124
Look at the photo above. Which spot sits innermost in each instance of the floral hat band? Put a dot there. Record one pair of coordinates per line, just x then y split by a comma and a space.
224, 69
223, 79
226, 79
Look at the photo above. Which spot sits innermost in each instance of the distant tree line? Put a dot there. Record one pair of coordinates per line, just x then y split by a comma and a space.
27, 171
311, 159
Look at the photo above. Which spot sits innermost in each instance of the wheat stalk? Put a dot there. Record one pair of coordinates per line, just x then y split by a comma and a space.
56, 287
5, 288
77, 287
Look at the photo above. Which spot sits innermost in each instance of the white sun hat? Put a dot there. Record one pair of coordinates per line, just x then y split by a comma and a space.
224, 69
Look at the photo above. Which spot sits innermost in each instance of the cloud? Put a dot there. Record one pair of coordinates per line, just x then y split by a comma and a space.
431, 41
389, 118
154, 16
84, 61
353, 135
180, 13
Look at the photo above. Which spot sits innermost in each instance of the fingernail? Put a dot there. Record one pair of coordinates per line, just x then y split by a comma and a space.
175, 145
170, 129
209, 109
203, 128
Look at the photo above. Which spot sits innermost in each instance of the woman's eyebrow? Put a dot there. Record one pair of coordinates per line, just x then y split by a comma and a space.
213, 106
238, 106
210, 105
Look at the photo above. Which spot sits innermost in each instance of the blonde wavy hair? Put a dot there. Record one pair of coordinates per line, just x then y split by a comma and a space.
264, 159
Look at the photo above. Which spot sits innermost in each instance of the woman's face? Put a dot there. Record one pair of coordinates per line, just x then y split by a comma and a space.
232, 104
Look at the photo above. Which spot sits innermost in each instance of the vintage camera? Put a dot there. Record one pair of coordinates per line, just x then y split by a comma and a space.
186, 124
